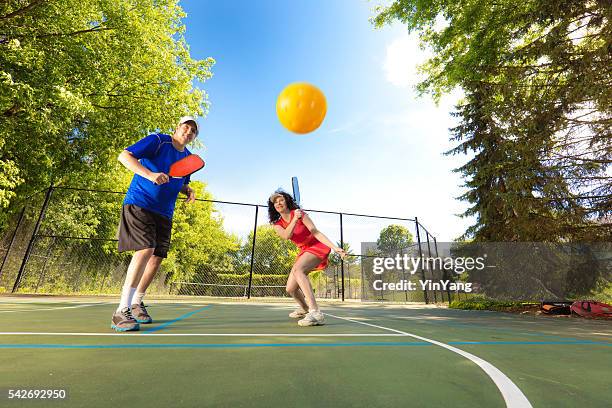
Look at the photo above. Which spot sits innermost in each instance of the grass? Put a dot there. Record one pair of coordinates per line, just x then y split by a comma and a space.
482, 303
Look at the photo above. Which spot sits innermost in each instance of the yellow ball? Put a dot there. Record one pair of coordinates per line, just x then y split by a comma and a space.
301, 107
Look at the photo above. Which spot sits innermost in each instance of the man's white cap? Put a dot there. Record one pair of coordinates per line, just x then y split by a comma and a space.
186, 119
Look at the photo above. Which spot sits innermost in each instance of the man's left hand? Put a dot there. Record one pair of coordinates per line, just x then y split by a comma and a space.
188, 191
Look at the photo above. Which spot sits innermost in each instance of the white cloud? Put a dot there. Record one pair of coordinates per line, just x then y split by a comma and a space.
401, 61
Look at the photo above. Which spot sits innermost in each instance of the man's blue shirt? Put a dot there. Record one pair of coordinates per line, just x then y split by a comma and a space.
156, 153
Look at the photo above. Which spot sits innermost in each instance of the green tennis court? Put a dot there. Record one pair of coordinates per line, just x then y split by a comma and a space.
220, 353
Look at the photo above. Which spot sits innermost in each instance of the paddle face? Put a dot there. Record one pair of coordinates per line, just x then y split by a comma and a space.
186, 166
296, 190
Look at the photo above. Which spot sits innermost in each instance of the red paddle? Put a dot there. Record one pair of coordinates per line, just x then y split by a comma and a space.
186, 166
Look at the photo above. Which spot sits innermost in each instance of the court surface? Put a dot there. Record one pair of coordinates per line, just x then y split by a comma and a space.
219, 353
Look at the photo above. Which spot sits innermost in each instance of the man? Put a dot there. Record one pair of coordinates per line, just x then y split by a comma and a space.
146, 216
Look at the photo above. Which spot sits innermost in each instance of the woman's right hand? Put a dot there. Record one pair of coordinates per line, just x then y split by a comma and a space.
298, 214
340, 252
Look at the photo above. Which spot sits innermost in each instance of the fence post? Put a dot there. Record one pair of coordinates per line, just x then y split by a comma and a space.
12, 239
432, 272
253, 253
416, 221
342, 260
26, 257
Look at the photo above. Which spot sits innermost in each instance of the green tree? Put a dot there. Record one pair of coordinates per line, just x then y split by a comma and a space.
200, 245
394, 238
536, 114
84, 213
80, 80
273, 255
504, 178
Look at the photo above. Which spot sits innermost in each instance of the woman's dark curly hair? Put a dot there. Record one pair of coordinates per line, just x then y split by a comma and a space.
273, 215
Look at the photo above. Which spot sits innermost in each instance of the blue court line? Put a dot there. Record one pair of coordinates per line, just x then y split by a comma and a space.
209, 345
260, 345
518, 331
570, 342
186, 315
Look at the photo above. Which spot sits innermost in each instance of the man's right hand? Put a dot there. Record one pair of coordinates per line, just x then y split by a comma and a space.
159, 178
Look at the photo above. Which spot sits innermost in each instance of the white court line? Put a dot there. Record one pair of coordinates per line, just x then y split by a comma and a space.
513, 396
54, 308
207, 334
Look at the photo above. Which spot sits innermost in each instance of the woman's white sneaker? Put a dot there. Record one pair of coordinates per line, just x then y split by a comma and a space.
312, 319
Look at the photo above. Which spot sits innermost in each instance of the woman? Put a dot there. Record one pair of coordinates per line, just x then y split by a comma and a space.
292, 223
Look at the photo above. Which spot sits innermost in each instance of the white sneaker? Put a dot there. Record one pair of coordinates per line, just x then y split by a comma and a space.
312, 319
298, 314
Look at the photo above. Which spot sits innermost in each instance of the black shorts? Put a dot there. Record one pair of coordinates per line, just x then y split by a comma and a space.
140, 229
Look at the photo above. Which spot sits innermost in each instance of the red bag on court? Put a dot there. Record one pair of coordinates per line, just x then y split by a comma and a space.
589, 308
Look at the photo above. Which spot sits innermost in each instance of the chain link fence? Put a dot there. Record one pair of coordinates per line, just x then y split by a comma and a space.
544, 271
64, 241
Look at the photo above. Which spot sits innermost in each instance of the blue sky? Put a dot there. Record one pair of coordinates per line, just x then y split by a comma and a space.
379, 149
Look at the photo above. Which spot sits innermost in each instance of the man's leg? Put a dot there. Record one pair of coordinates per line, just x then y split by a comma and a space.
122, 319
137, 266
138, 309
137, 232
149, 273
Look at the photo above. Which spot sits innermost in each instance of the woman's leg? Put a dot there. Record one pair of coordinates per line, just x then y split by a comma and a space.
302, 267
293, 289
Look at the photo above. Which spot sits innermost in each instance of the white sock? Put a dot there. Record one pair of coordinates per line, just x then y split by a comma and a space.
137, 298
126, 294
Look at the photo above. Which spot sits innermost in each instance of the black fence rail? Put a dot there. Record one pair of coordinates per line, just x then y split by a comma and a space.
64, 241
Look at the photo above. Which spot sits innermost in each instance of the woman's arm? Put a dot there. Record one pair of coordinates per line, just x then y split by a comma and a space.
287, 233
321, 237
